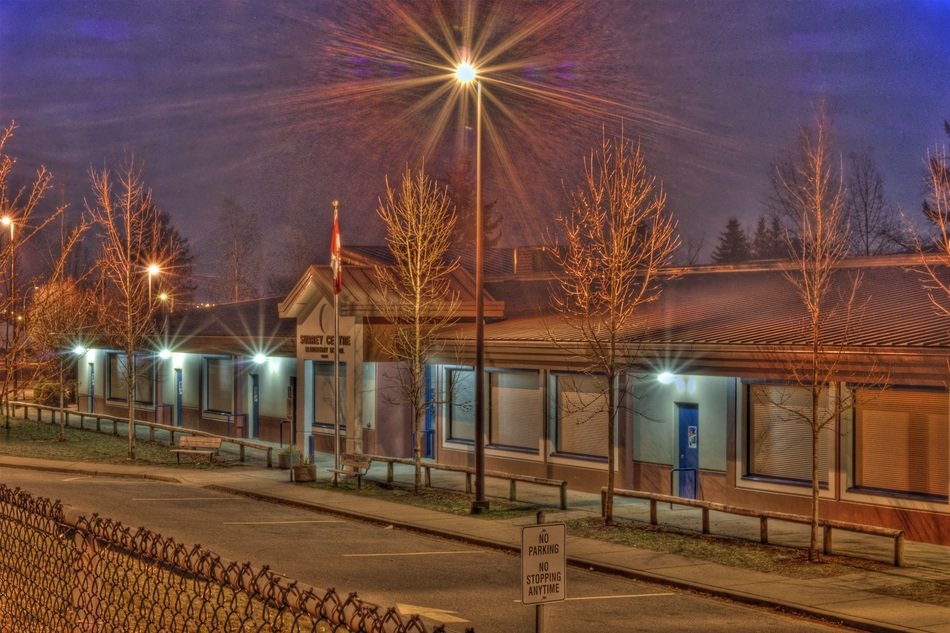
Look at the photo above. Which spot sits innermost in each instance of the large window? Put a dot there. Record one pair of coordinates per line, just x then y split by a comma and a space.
118, 380
780, 434
219, 384
461, 405
901, 442
515, 409
323, 394
580, 409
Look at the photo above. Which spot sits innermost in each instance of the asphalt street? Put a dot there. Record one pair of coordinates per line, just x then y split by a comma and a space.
457, 584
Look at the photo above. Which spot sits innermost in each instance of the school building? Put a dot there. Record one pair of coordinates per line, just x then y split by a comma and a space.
712, 402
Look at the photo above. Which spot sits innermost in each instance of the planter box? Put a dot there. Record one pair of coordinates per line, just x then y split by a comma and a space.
305, 472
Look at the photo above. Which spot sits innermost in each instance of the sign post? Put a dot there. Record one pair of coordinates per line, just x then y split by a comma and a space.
543, 566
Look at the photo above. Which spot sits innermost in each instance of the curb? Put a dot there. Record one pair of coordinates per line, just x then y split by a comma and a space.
94, 472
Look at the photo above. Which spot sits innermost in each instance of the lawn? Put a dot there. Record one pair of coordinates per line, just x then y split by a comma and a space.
28, 438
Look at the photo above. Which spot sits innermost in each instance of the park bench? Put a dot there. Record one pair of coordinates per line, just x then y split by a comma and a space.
197, 445
353, 465
469, 472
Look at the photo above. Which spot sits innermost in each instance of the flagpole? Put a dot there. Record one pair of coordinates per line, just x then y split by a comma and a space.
337, 277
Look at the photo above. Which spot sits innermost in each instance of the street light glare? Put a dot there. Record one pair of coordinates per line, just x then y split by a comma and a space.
6, 220
465, 73
153, 269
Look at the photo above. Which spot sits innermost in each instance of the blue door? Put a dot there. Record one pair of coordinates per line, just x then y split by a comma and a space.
92, 387
688, 465
255, 406
428, 449
178, 420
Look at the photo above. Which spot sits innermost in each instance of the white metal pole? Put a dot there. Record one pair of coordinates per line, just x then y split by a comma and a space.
336, 385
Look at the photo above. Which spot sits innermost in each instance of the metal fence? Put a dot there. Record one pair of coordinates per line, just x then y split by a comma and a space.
63, 573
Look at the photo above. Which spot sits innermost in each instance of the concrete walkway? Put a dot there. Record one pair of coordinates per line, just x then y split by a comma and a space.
848, 598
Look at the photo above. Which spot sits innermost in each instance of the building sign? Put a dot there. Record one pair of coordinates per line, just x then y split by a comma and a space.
323, 344
543, 563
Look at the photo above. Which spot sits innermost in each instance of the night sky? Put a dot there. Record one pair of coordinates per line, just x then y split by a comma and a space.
232, 99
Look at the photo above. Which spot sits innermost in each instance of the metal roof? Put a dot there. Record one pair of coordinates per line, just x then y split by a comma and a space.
361, 294
244, 327
756, 306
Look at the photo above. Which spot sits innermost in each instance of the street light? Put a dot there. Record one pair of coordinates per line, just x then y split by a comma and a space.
466, 73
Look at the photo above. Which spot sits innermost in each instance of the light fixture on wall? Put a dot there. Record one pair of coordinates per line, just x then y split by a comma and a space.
260, 359
665, 378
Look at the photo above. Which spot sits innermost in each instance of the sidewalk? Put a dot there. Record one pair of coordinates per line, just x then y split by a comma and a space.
846, 598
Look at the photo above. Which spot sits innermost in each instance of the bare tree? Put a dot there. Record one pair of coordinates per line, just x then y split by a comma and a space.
816, 198
19, 209
935, 251
620, 237
122, 210
60, 318
235, 247
416, 294
874, 229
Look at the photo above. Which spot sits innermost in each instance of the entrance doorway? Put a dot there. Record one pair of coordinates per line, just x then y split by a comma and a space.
255, 406
92, 388
687, 416
178, 389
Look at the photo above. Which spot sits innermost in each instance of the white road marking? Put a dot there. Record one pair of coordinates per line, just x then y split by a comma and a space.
627, 595
412, 554
182, 498
282, 522
439, 615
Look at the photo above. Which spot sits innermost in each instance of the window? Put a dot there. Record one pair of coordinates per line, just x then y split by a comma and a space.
323, 401
515, 409
118, 379
901, 442
580, 407
779, 438
461, 405
219, 384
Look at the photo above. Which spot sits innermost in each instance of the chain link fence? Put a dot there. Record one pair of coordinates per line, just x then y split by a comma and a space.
90, 574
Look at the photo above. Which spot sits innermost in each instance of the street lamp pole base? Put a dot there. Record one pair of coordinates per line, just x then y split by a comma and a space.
479, 506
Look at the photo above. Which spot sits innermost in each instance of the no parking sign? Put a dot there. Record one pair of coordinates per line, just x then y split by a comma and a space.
543, 563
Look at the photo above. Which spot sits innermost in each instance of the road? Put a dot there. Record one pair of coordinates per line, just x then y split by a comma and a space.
448, 582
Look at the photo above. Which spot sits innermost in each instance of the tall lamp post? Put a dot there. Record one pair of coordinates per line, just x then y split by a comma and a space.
466, 74
7, 220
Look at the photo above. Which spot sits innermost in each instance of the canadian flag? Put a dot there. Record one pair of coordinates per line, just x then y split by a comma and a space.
336, 263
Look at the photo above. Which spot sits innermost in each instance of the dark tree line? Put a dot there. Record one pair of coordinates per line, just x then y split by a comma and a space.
873, 223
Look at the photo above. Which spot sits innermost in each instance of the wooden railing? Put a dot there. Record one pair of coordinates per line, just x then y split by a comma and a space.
114, 421
764, 515
469, 471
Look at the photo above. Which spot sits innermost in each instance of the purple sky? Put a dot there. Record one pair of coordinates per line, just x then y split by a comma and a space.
209, 94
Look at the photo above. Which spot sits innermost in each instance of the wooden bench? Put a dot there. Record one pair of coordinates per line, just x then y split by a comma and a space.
469, 472
827, 525
197, 445
353, 465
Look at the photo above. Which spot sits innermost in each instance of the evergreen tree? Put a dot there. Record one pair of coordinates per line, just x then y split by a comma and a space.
768, 242
733, 244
